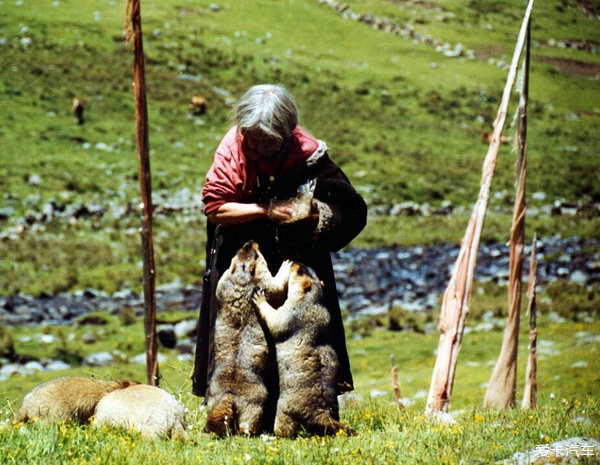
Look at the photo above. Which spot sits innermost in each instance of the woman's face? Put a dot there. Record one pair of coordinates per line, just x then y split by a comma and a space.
263, 145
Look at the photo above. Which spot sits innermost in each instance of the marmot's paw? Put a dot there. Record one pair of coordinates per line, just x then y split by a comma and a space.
259, 297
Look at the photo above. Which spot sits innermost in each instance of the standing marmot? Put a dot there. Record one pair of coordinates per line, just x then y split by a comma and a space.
148, 409
307, 366
68, 398
237, 393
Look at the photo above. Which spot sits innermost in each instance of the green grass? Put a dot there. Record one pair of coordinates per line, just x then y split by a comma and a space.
401, 128
404, 123
568, 399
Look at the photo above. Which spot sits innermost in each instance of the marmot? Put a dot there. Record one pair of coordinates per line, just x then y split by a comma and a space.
237, 391
148, 409
306, 365
68, 398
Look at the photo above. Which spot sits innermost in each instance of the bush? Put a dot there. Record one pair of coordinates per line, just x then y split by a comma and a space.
7, 345
570, 300
400, 319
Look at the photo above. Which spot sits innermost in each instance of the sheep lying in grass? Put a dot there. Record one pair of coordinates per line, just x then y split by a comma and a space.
68, 398
150, 410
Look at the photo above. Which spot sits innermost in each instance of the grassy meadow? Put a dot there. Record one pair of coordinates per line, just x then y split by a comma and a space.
405, 123
567, 376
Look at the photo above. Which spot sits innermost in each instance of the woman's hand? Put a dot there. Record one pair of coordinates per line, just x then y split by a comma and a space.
282, 211
290, 210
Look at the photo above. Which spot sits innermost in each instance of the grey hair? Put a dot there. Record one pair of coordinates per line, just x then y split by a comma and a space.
268, 108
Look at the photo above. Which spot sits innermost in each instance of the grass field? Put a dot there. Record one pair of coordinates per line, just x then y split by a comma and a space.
568, 398
405, 123
403, 120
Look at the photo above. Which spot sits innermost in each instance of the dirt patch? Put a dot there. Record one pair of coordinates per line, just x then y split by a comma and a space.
483, 52
573, 67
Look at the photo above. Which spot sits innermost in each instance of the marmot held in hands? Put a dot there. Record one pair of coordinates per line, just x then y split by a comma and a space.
237, 391
306, 365
67, 398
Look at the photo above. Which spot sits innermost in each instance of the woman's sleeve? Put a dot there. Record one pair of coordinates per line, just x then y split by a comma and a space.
342, 210
223, 183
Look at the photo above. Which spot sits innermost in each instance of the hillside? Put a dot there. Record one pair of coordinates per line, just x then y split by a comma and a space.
403, 114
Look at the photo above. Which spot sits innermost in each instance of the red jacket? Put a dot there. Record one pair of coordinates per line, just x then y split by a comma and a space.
232, 176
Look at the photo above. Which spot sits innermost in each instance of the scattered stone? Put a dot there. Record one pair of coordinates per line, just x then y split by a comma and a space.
98, 359
34, 180
57, 365
166, 336
89, 338
441, 418
141, 358
580, 364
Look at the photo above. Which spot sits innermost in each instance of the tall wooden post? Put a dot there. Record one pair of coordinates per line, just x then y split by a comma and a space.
530, 390
501, 391
456, 300
141, 124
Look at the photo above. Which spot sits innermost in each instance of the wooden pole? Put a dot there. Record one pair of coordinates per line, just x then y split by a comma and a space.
396, 384
530, 391
134, 21
501, 390
456, 300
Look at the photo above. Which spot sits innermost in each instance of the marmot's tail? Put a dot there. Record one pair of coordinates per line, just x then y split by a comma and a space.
221, 419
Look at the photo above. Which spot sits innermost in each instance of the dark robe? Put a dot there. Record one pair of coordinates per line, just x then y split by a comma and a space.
310, 242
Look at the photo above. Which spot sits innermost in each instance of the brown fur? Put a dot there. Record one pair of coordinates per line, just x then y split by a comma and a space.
306, 365
197, 105
78, 109
68, 398
237, 391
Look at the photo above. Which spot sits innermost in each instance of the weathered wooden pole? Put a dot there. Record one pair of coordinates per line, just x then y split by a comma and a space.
456, 300
530, 390
134, 21
396, 384
501, 390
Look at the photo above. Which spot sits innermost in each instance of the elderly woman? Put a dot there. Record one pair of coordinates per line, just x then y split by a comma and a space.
258, 167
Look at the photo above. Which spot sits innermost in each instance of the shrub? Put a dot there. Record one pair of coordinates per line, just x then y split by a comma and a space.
7, 345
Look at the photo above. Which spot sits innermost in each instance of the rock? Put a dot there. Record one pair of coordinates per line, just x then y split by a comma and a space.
186, 348
12, 369
580, 364
57, 365
46, 338
166, 336
89, 338
141, 358
98, 359
6, 213
33, 366
442, 418
34, 180
377, 393
185, 328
